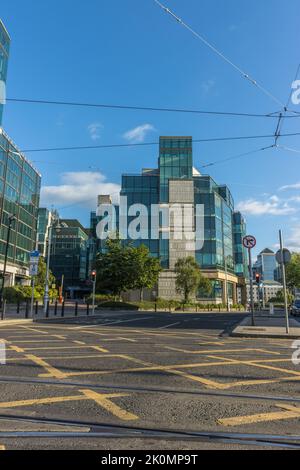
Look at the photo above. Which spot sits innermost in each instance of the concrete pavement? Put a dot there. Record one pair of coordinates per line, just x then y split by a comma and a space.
267, 326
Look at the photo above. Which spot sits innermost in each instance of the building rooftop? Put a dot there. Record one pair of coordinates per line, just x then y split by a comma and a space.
267, 251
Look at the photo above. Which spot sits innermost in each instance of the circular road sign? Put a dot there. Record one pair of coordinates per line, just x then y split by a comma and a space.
249, 241
286, 258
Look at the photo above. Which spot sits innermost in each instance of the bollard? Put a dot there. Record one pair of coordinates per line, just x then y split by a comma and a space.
27, 309
36, 307
87, 309
47, 309
18, 306
76, 309
63, 308
155, 307
55, 308
3, 310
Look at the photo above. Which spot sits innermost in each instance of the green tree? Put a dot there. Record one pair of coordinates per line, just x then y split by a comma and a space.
188, 277
293, 272
146, 268
115, 268
205, 286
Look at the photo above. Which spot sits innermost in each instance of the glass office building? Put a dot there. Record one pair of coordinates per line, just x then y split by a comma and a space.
68, 259
221, 257
266, 265
19, 196
4, 53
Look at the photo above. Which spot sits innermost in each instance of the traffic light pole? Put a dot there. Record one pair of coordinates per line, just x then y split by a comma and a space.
251, 287
94, 274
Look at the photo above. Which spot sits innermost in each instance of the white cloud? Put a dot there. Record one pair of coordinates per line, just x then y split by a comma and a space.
271, 206
290, 186
139, 133
81, 188
94, 130
293, 241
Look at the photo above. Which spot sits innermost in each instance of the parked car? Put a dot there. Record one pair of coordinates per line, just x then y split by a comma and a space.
295, 308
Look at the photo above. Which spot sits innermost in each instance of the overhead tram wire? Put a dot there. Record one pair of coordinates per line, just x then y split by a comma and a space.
274, 115
145, 144
282, 115
220, 54
236, 156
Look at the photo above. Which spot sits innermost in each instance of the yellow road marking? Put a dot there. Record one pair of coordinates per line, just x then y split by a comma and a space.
97, 348
51, 370
104, 402
289, 412
79, 342
34, 329
40, 401
261, 365
56, 348
37, 341
102, 399
208, 351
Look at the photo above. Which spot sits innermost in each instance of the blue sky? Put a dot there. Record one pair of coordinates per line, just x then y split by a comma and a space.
131, 52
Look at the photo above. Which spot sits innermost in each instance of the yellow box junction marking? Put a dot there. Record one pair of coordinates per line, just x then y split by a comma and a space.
209, 351
102, 399
104, 402
289, 412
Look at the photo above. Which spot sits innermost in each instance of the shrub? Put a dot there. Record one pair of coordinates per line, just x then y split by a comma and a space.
113, 305
99, 298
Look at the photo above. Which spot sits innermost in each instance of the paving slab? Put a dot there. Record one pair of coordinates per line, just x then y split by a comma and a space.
267, 326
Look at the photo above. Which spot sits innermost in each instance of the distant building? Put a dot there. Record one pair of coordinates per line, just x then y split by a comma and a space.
69, 260
44, 221
267, 290
266, 265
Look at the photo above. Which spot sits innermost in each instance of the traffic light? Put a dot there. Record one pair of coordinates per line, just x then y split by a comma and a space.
257, 278
93, 275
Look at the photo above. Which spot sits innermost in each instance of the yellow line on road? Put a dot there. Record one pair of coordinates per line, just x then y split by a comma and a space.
102, 399
290, 412
262, 365
51, 370
104, 402
97, 348
208, 351
40, 401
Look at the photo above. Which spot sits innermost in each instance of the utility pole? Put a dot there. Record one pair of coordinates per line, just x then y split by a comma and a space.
11, 218
94, 279
249, 242
286, 311
46, 295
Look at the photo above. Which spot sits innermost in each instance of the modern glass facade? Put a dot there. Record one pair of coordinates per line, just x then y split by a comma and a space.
19, 195
4, 53
142, 189
69, 254
175, 161
266, 265
221, 257
240, 252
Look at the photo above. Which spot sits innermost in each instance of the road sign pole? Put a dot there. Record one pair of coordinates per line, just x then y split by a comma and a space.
251, 287
32, 296
287, 325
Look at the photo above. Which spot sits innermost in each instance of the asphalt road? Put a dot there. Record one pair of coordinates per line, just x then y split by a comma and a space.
146, 381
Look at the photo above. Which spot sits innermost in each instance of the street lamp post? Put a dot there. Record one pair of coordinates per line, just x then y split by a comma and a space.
11, 218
